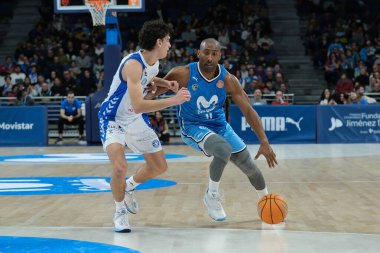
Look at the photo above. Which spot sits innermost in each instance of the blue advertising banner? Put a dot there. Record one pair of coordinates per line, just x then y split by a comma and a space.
23, 126
348, 124
282, 123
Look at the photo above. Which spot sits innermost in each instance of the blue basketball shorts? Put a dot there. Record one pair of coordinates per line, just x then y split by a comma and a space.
195, 136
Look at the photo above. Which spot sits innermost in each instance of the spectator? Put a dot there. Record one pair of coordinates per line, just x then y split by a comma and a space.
363, 78
325, 97
344, 85
23, 98
7, 87
57, 89
160, 126
8, 66
332, 67
257, 98
45, 90
18, 76
360, 93
83, 60
279, 100
87, 83
70, 114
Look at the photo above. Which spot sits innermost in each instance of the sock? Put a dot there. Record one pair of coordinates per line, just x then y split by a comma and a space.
262, 192
131, 184
119, 205
213, 186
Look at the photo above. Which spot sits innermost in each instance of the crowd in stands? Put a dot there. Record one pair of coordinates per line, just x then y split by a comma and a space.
64, 53
343, 38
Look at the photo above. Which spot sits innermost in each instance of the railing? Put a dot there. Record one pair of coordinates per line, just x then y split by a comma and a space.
53, 107
375, 95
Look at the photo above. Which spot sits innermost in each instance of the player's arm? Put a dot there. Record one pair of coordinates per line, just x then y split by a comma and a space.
241, 99
62, 114
132, 72
79, 111
178, 75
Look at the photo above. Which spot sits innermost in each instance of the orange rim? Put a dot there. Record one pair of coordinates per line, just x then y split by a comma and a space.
99, 4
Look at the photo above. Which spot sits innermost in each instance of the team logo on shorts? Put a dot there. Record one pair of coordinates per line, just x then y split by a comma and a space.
194, 87
220, 84
156, 143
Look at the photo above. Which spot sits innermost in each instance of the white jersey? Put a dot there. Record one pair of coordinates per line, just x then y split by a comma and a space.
118, 105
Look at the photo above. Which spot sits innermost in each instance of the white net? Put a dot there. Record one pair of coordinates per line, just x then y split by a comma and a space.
98, 10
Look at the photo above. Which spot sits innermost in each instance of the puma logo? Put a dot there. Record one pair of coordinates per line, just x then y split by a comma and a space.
296, 123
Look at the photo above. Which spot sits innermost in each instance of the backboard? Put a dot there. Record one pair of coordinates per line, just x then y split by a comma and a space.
75, 6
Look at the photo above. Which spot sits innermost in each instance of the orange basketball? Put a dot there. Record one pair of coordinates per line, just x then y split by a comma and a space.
272, 208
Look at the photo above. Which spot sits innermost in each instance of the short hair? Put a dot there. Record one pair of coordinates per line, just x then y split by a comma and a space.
210, 41
152, 31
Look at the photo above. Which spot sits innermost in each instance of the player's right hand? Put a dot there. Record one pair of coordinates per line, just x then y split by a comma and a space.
182, 96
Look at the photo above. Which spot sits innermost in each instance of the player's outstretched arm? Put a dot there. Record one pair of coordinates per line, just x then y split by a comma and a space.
177, 76
131, 72
241, 99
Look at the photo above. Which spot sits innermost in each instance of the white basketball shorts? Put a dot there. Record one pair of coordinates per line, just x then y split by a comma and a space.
137, 134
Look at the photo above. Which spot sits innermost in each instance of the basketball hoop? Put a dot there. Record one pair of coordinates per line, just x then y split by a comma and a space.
98, 10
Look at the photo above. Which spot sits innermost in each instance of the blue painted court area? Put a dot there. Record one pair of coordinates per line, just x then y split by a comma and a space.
15, 244
23, 186
74, 158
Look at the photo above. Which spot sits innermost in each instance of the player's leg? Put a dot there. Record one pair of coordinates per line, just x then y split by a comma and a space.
211, 144
142, 139
113, 138
61, 123
243, 160
116, 154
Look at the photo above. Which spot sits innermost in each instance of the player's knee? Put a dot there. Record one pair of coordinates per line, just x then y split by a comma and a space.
119, 169
218, 147
223, 151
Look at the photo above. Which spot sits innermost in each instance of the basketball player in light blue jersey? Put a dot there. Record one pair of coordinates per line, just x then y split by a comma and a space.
122, 120
204, 126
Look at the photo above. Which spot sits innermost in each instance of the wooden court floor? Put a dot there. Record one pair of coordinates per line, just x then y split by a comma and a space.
328, 188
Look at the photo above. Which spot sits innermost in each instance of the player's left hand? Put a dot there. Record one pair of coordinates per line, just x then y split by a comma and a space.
266, 150
151, 88
173, 85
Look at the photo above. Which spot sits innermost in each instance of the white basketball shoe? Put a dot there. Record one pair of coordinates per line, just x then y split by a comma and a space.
121, 221
130, 202
213, 202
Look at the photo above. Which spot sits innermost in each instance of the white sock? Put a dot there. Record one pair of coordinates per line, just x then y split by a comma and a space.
262, 192
131, 184
119, 205
213, 186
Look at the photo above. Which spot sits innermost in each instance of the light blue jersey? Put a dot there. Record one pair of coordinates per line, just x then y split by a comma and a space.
207, 99
204, 113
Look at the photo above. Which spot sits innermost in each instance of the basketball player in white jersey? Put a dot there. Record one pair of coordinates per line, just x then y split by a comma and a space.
122, 120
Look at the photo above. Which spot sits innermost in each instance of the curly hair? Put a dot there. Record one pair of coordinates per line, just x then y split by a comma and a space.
152, 31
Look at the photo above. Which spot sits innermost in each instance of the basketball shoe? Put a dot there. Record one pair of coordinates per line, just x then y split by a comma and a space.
130, 202
121, 222
213, 202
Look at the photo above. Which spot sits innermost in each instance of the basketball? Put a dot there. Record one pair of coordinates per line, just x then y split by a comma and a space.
272, 208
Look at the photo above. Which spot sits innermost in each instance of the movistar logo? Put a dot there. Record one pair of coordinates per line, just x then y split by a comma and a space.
16, 126
206, 106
